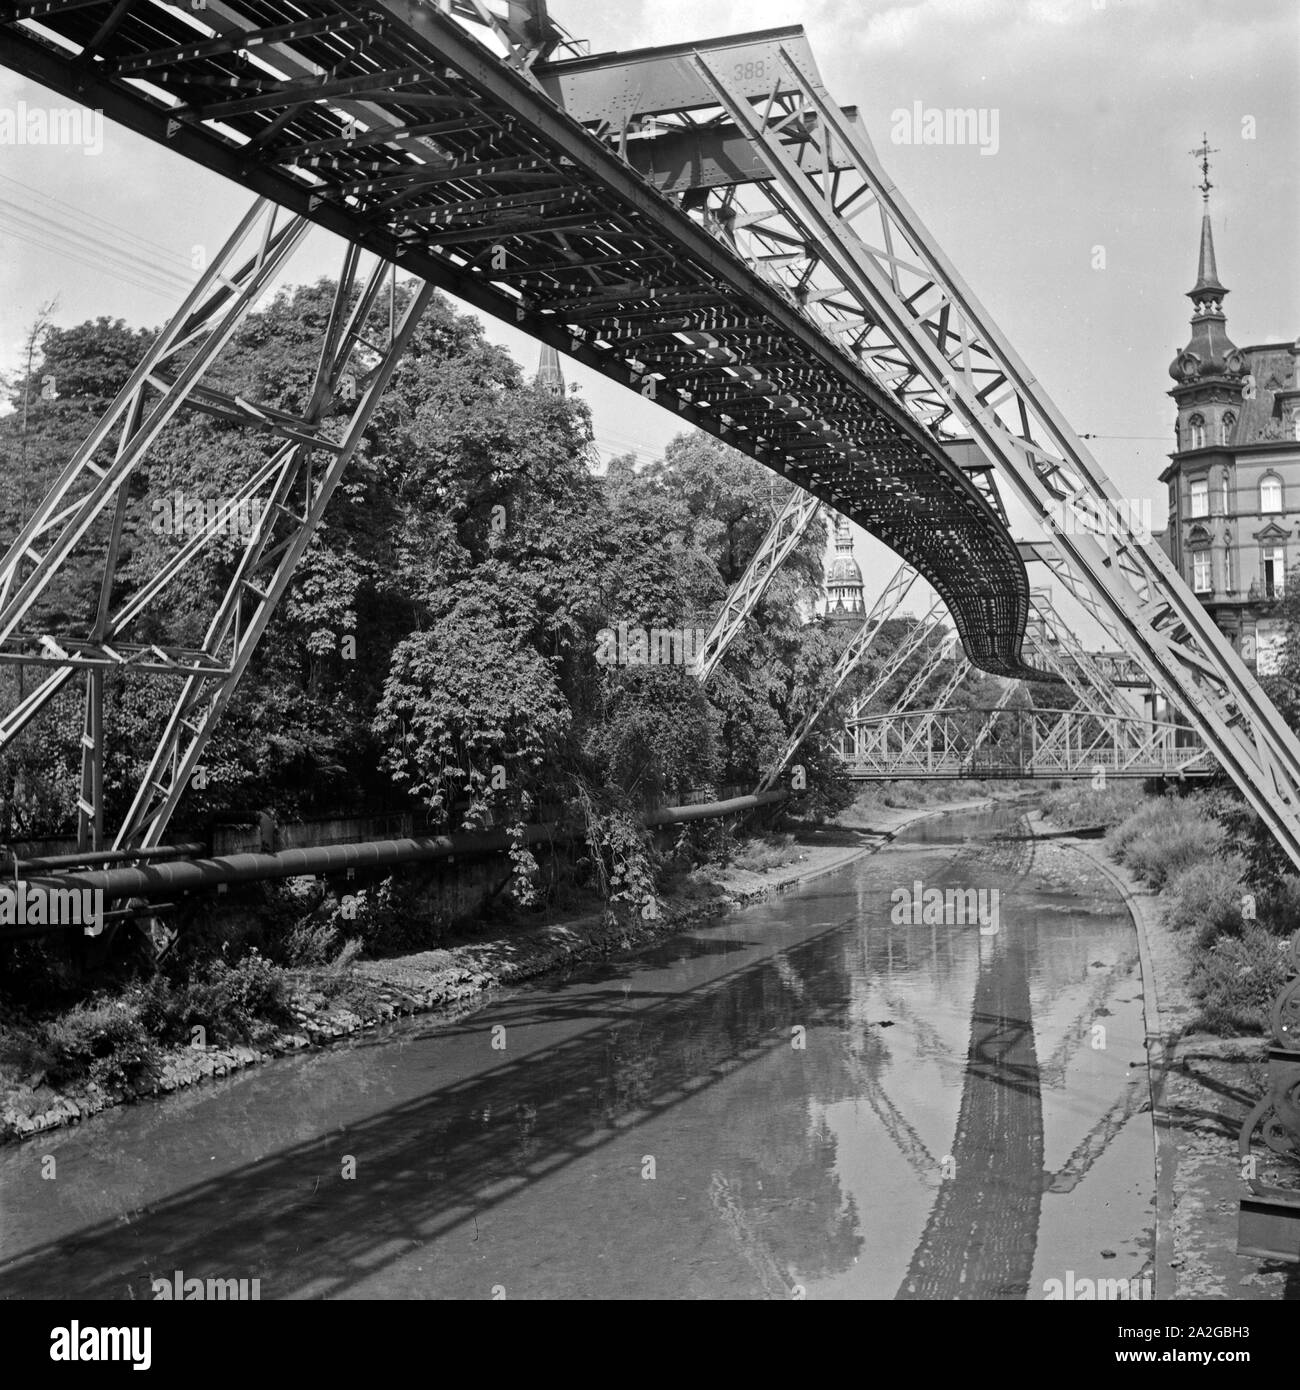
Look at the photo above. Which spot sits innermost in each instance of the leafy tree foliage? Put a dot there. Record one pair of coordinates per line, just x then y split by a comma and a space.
439, 645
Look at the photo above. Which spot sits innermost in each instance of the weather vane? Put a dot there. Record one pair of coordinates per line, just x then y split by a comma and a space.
1203, 154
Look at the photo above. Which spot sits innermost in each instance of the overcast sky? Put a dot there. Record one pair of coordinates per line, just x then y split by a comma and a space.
1098, 104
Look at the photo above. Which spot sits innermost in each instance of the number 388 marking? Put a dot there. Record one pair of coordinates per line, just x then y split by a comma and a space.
750, 72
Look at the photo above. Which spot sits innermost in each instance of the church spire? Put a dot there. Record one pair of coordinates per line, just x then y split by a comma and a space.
550, 378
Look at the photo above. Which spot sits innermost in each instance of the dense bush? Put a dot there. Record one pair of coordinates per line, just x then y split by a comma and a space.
1205, 899
1165, 835
104, 1041
243, 1002
1079, 804
1237, 981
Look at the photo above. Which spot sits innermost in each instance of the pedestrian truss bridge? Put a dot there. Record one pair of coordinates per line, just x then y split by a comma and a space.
943, 744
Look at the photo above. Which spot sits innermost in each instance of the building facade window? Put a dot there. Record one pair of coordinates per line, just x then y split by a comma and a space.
1223, 493
1200, 493
1225, 427
1227, 570
1201, 582
1270, 494
1196, 430
1273, 567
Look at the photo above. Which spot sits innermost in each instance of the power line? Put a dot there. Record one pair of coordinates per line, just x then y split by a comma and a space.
82, 241
84, 260
153, 247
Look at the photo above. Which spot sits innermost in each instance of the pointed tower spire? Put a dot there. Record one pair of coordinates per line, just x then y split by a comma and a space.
1207, 273
1210, 354
1207, 294
550, 377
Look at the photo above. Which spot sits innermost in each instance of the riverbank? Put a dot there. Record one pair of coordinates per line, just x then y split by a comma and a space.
331, 1004
1202, 1088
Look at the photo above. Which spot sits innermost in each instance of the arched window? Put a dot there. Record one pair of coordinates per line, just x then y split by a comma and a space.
1225, 427
1270, 493
1196, 425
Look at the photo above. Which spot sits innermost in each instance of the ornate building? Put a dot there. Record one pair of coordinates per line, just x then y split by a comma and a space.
844, 579
1234, 475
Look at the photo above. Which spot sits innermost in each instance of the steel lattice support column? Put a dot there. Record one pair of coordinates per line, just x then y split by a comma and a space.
858, 646
921, 332
782, 537
288, 494
298, 502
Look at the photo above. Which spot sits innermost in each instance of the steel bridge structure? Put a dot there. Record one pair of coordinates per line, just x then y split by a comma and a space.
1001, 742
701, 223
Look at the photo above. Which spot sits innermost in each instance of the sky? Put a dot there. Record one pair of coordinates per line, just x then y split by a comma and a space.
1098, 105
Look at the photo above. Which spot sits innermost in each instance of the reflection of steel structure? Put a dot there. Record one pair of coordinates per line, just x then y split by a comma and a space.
946, 743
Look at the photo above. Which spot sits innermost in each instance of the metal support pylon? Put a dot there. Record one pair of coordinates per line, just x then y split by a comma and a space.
931, 623
917, 330
961, 669
857, 647
986, 729
289, 490
782, 537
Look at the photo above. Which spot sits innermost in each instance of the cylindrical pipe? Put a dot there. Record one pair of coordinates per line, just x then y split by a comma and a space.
187, 875
102, 856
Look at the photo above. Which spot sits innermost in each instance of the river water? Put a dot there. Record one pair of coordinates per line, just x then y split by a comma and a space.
806, 1100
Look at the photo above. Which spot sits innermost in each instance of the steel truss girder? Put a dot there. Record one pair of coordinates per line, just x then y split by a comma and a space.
1062, 653
203, 326
695, 276
857, 647
264, 572
1060, 743
782, 537
930, 623
284, 498
954, 363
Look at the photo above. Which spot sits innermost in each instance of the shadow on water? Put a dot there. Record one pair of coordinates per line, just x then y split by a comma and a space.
458, 1149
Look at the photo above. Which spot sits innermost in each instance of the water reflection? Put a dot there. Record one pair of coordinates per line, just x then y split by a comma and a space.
807, 1097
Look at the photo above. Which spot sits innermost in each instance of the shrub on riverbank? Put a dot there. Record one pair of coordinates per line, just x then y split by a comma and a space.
1205, 899
1237, 980
908, 795
1081, 805
1165, 835
118, 1040
1199, 852
766, 852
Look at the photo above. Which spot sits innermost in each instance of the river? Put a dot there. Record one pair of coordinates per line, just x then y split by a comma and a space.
806, 1100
